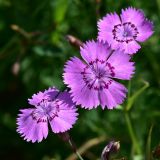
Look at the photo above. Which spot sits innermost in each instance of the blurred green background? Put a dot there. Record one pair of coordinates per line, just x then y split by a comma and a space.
33, 50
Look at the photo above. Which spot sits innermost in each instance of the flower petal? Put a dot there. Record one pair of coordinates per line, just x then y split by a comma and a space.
130, 48
72, 72
64, 119
51, 93
37, 98
112, 96
87, 98
29, 128
66, 98
135, 16
106, 26
145, 31
123, 68
92, 50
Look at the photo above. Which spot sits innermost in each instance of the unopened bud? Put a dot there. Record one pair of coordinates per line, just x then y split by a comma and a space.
16, 68
111, 148
15, 27
156, 152
74, 41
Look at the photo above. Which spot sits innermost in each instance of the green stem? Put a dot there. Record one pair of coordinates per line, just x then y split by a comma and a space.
148, 147
78, 155
129, 89
132, 134
76, 152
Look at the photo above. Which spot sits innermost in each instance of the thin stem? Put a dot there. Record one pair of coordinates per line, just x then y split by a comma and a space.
76, 152
148, 147
129, 89
78, 155
133, 137
132, 134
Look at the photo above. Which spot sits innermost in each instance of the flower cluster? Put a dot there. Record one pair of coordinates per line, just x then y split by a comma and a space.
93, 80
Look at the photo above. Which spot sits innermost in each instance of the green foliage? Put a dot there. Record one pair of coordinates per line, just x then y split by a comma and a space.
33, 50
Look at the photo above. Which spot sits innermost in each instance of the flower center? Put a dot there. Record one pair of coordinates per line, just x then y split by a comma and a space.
46, 110
97, 74
125, 32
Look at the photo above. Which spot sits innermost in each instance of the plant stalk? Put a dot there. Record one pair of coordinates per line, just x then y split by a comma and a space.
136, 145
75, 150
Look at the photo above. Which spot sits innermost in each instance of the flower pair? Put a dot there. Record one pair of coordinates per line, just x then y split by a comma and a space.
92, 81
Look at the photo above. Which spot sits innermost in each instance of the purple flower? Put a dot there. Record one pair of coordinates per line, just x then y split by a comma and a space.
125, 31
92, 82
50, 105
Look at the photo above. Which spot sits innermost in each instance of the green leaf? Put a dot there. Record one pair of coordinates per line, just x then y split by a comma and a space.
138, 157
60, 8
119, 107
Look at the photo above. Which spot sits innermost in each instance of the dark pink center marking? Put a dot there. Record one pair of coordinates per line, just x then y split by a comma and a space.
97, 74
125, 32
46, 111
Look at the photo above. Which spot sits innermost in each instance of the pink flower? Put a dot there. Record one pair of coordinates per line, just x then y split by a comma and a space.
51, 106
125, 31
92, 82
